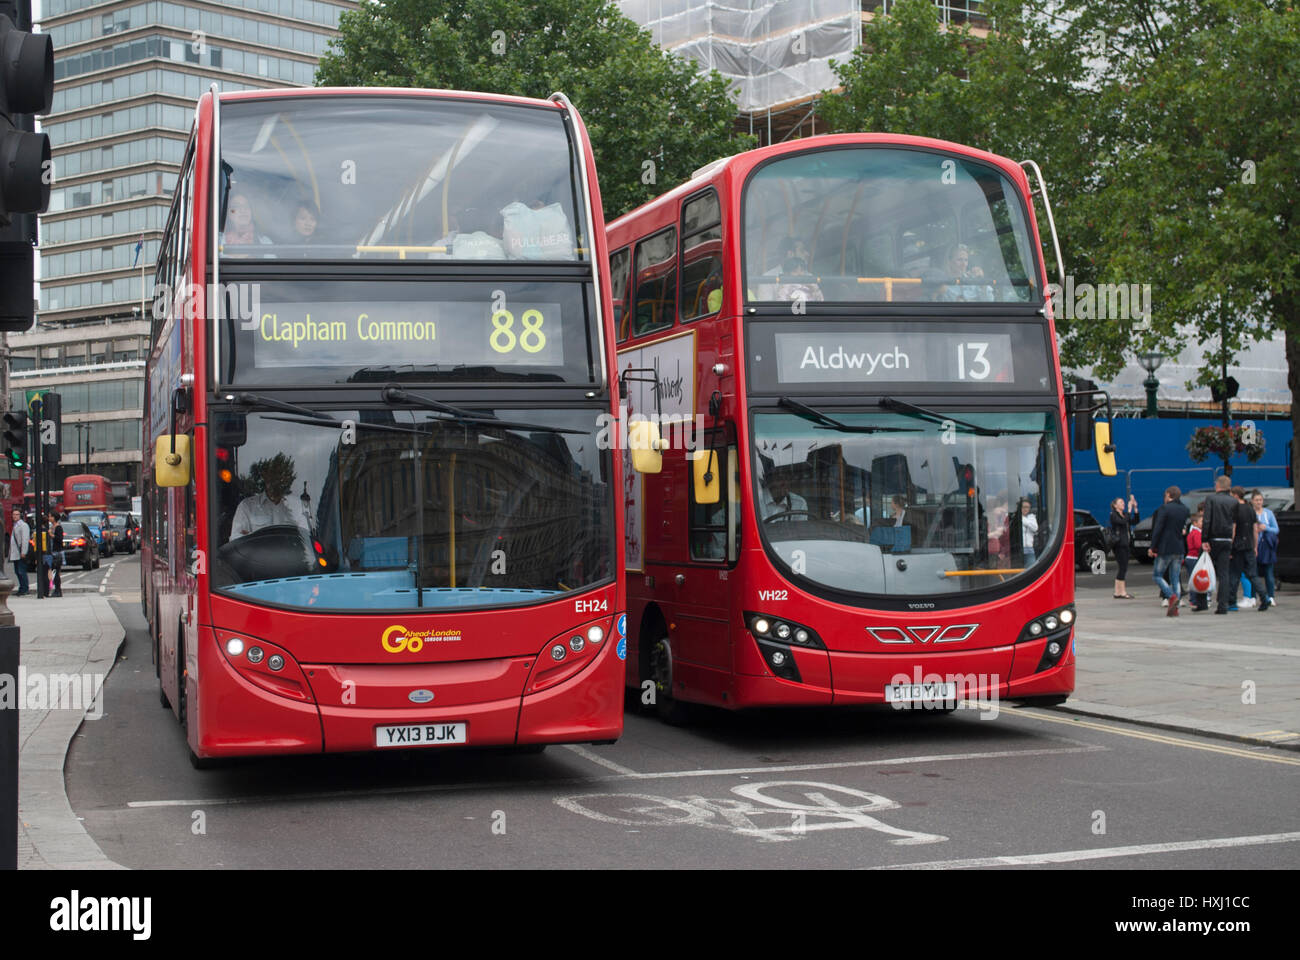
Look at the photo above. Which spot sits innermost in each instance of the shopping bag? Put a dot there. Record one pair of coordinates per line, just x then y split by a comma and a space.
1202, 579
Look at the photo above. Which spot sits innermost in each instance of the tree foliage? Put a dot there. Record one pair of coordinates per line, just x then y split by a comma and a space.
1169, 131
653, 117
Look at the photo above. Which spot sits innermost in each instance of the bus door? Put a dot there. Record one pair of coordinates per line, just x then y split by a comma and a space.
713, 522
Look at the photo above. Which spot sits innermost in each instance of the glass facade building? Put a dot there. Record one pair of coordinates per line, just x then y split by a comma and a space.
127, 75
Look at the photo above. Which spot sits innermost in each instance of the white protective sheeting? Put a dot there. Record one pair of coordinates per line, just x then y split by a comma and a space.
774, 51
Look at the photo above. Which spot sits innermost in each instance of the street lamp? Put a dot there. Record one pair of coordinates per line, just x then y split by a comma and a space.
1151, 363
80, 449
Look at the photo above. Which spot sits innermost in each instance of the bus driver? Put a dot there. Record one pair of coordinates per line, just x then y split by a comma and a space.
268, 508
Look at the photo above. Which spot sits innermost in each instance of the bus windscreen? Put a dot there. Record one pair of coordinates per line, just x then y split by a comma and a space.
870, 224
315, 178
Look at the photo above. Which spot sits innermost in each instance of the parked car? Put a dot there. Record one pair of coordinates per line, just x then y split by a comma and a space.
80, 545
1089, 542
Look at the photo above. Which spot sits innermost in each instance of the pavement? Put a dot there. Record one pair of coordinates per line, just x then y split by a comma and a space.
76, 635
1234, 677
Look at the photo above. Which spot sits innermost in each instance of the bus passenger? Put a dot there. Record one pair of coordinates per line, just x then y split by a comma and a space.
962, 279
304, 225
240, 227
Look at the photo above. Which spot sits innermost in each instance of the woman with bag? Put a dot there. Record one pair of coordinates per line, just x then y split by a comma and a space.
1266, 530
54, 558
1120, 521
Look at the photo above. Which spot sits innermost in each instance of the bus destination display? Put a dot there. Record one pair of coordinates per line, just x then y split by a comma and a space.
353, 333
894, 357
829, 356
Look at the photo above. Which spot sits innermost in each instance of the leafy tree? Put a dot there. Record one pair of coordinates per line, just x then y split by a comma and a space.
1204, 174
653, 117
1167, 129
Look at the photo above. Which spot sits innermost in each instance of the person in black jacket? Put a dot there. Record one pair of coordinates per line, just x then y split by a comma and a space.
1168, 545
1120, 520
1242, 558
1216, 535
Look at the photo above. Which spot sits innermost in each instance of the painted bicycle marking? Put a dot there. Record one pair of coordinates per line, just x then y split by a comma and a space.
801, 806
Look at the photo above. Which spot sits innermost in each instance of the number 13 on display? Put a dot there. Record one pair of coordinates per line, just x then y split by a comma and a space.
977, 366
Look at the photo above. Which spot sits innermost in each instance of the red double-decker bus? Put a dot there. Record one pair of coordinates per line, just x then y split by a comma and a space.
847, 345
377, 514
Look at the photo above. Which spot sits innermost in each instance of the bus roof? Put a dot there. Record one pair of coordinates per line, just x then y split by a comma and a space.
292, 92
737, 166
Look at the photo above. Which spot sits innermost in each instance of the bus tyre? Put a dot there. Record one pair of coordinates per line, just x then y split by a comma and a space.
659, 662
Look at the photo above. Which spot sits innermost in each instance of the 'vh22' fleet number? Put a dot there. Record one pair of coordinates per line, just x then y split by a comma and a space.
530, 338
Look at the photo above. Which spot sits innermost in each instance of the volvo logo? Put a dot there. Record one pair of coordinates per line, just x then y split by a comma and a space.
955, 633
420, 696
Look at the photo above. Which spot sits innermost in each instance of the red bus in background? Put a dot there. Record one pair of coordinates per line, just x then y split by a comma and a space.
847, 344
376, 511
87, 491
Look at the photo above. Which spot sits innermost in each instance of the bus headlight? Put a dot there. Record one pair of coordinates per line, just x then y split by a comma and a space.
595, 633
234, 646
576, 643
255, 654
558, 652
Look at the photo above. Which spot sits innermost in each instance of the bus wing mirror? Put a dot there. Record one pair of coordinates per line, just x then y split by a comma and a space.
172, 469
706, 471
645, 446
1105, 449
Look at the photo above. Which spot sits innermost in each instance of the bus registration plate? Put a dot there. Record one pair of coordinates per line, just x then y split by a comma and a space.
921, 693
421, 735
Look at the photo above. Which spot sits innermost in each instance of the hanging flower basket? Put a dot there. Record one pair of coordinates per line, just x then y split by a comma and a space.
1224, 442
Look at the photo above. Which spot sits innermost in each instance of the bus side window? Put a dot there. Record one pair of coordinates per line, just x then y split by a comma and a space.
701, 256
656, 282
710, 529
619, 264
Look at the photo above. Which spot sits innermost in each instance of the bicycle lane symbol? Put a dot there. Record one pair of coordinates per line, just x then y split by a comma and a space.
817, 806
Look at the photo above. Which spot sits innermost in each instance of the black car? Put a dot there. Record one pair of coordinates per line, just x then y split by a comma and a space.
127, 532
80, 548
1089, 543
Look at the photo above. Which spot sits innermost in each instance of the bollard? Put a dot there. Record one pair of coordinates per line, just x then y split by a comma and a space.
10, 699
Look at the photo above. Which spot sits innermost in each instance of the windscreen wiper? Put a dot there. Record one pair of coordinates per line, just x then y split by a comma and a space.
395, 395
828, 421
359, 424
257, 400
902, 406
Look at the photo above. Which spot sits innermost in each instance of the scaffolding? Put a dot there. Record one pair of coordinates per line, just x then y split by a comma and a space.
776, 53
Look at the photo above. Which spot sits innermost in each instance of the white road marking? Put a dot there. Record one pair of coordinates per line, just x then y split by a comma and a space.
1101, 853
103, 584
1193, 644
601, 761
632, 776
1248, 753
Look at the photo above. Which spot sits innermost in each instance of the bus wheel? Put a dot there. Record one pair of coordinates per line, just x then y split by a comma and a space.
660, 663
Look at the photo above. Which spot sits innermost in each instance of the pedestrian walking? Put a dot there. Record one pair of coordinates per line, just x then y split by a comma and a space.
1121, 518
1216, 536
1242, 560
1168, 547
1266, 541
1197, 601
19, 534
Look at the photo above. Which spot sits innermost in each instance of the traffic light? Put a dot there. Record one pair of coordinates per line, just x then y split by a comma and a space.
51, 418
16, 439
26, 88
